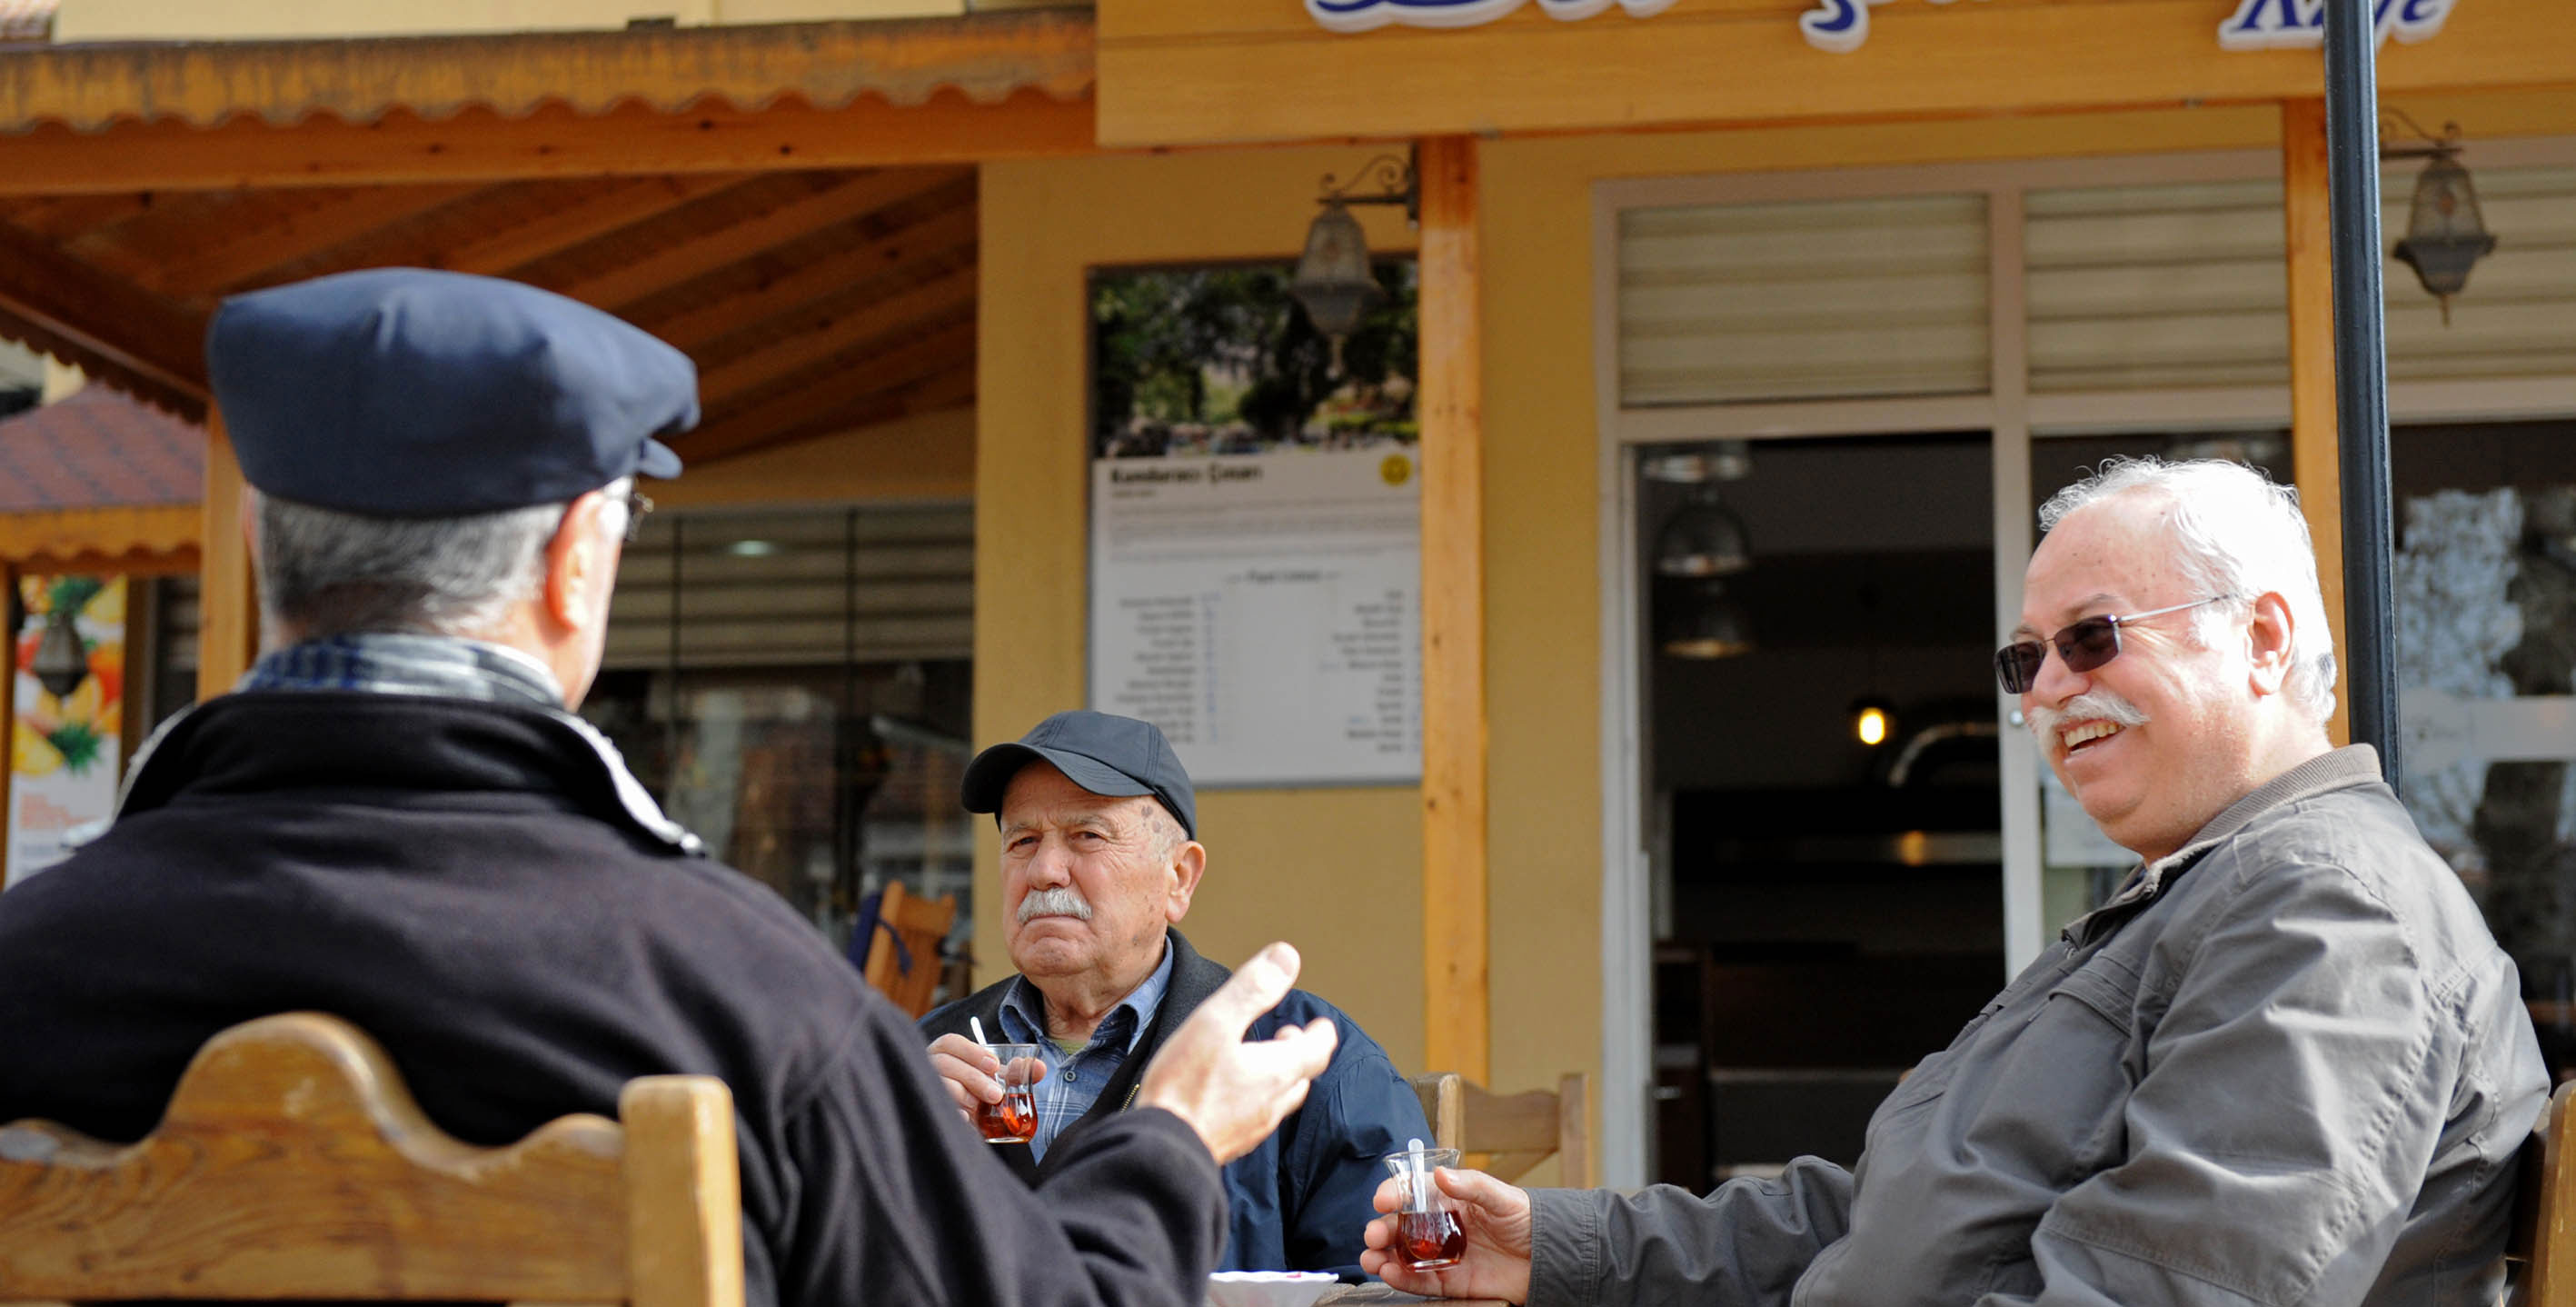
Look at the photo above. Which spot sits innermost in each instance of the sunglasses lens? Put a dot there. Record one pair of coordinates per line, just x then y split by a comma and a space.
2089, 644
2017, 665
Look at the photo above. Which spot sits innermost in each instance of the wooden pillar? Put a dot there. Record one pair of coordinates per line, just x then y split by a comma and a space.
1457, 1022
227, 614
2312, 366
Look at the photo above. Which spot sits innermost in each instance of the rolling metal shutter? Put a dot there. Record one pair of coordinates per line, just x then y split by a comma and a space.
1839, 299
874, 583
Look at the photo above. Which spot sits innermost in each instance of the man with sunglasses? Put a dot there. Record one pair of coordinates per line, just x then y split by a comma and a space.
2286, 1064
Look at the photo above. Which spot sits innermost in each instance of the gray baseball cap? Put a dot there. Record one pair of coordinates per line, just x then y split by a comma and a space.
1102, 753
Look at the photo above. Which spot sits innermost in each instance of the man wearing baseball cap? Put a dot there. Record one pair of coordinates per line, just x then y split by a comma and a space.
1100, 856
398, 819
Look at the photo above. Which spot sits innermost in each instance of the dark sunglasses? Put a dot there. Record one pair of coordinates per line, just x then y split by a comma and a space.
2084, 645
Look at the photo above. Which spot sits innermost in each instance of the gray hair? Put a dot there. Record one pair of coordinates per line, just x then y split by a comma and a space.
325, 572
2237, 533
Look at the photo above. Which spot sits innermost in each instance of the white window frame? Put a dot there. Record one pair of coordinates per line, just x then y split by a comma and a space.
2007, 409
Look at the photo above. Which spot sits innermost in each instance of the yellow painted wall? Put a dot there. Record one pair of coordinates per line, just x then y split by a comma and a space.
124, 20
1337, 872
930, 456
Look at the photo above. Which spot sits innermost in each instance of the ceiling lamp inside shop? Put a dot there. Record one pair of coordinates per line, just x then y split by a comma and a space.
1700, 542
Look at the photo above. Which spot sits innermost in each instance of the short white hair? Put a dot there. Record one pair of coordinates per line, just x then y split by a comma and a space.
325, 572
2238, 533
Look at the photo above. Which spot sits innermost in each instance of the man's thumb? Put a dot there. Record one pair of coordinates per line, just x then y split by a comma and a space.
1257, 986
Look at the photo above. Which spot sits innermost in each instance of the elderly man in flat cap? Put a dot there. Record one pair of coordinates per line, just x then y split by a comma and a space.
1100, 857
397, 819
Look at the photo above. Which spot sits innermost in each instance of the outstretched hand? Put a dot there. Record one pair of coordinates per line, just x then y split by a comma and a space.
1233, 1093
1496, 1218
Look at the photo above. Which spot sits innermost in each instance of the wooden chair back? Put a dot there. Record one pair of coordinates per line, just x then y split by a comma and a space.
293, 1163
1505, 1135
2542, 1249
909, 975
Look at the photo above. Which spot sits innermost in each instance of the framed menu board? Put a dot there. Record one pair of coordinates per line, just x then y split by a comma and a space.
1256, 527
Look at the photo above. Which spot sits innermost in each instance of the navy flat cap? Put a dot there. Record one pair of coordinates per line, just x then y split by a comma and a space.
1115, 756
403, 392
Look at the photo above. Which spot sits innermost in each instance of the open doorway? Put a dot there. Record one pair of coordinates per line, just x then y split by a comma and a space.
1823, 788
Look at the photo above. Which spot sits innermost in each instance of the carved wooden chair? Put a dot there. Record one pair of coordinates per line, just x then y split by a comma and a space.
294, 1164
1506, 1135
2542, 1252
903, 962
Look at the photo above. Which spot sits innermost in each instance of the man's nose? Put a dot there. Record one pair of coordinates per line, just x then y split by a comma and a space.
1050, 868
2056, 682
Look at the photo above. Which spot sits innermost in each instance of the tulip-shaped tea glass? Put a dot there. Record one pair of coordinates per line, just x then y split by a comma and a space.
1427, 1235
1014, 1120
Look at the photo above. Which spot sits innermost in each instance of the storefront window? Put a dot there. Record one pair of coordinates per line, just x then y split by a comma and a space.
794, 687
2485, 595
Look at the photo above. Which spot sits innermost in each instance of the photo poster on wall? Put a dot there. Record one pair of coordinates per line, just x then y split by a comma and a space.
1256, 525
70, 715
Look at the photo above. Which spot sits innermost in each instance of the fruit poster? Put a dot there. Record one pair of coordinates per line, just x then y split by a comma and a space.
64, 745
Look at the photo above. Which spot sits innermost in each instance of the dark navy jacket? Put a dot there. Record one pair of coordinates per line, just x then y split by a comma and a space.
464, 882
1300, 1200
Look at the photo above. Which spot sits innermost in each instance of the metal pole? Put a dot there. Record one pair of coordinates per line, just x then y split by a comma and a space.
2361, 374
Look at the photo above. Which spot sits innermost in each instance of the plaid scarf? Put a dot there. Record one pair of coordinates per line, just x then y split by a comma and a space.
390, 663
441, 666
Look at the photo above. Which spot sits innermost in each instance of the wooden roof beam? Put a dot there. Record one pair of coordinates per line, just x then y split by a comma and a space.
794, 406
935, 238
479, 145
161, 344
850, 197
622, 205
937, 299
237, 256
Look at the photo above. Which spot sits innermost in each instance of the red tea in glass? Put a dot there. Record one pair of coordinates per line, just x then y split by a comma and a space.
1430, 1240
1014, 1120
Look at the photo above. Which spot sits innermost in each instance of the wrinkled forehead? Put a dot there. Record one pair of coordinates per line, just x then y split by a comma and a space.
2116, 556
1040, 795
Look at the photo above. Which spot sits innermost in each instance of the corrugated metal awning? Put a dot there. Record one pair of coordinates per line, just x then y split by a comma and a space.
984, 57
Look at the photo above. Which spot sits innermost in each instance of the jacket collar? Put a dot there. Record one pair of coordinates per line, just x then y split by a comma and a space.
271, 740
2335, 769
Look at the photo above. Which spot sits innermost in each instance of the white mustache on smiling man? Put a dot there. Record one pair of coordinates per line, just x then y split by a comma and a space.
1062, 901
2090, 706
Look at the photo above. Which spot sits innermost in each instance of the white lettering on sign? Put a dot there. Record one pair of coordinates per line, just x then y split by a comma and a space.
1842, 26
1362, 15
2297, 24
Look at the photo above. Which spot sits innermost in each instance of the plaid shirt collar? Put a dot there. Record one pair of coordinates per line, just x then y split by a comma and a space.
1024, 1010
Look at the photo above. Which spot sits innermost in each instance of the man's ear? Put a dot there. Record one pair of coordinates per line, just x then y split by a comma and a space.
1189, 862
2267, 642
578, 564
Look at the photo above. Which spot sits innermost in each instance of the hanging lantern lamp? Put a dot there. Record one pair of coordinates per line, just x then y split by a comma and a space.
2446, 233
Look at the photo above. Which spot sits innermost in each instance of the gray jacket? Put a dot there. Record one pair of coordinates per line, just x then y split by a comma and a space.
2286, 1065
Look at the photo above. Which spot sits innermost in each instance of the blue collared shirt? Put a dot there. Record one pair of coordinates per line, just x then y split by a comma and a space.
1073, 1083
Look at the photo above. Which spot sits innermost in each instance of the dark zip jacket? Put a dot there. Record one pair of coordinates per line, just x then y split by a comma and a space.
1299, 1201
464, 881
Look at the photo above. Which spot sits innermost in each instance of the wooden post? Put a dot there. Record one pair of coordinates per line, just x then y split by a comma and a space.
227, 615
2313, 450
1457, 1023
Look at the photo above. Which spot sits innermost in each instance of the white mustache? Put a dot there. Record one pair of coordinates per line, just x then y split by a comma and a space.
1062, 901
2092, 705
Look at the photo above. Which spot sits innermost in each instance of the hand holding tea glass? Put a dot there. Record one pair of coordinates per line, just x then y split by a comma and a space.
992, 1084
1492, 1260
